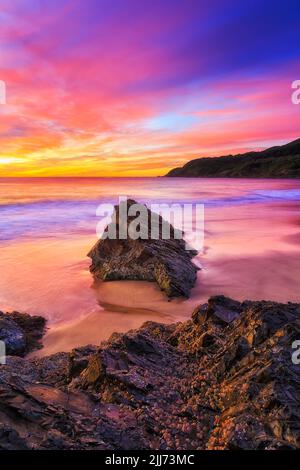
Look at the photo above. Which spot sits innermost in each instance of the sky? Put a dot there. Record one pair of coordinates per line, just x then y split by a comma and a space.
137, 87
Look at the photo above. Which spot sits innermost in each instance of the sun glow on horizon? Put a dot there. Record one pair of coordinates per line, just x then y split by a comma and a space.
139, 88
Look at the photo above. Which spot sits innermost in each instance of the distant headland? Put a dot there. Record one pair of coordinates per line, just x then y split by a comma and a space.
276, 162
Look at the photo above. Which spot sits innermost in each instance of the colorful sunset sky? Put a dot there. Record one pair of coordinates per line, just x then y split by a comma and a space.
137, 87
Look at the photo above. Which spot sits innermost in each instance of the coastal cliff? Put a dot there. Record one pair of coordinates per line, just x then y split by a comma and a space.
276, 162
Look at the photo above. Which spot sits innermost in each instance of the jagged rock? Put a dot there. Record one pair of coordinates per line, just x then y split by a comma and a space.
125, 361
78, 360
21, 332
219, 309
206, 340
165, 261
208, 385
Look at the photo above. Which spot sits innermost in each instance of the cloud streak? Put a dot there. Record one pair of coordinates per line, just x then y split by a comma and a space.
135, 88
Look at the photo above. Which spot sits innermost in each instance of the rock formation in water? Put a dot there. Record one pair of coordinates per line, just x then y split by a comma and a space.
165, 261
21, 332
223, 380
276, 162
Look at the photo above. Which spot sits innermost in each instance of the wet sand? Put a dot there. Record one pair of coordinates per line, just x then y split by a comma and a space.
261, 262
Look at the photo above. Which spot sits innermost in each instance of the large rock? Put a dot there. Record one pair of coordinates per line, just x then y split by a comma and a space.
12, 335
165, 261
227, 381
21, 332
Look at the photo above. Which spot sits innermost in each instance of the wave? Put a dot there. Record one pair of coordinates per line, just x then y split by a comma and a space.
66, 217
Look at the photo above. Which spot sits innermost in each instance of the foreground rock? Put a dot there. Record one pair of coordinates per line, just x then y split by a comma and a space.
21, 332
165, 261
223, 380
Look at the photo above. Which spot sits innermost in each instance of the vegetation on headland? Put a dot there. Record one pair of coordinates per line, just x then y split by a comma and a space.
276, 162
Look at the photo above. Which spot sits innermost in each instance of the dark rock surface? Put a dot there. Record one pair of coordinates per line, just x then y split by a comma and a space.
218, 381
165, 261
276, 162
21, 332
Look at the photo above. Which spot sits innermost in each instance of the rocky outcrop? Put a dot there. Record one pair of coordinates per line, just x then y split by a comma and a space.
223, 380
21, 332
165, 261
